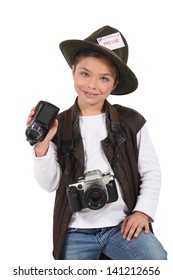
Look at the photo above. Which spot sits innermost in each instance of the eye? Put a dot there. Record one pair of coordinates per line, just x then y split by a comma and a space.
104, 79
84, 74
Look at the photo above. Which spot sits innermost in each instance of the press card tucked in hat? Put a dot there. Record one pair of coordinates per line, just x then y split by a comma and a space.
111, 43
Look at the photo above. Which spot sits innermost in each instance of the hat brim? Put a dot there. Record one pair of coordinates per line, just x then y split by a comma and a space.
128, 82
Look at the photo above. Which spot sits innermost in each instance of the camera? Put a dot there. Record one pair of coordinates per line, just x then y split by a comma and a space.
42, 121
92, 191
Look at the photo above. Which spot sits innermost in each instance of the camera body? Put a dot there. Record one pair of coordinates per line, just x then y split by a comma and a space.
92, 191
42, 121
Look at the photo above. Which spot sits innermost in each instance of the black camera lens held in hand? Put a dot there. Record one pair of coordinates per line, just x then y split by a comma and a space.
43, 119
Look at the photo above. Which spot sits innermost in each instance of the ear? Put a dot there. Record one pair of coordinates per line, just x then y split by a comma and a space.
73, 70
115, 85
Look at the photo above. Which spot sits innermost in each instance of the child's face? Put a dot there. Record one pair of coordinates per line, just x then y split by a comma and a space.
94, 78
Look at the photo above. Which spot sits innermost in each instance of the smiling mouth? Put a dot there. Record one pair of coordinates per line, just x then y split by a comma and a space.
90, 94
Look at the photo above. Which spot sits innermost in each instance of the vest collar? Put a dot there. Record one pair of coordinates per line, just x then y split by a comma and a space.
71, 124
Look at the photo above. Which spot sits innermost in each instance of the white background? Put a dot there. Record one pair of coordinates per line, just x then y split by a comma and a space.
32, 68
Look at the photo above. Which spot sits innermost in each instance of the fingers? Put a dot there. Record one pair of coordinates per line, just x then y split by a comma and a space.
31, 114
128, 229
52, 131
41, 148
134, 224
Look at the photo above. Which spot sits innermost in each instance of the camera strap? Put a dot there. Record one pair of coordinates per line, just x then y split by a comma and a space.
115, 127
67, 144
115, 124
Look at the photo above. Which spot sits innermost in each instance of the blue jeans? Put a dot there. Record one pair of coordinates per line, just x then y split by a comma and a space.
88, 244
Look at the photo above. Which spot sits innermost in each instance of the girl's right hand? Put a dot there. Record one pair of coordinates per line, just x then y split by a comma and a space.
41, 148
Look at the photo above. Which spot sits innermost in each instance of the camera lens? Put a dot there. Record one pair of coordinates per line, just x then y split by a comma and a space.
95, 197
33, 135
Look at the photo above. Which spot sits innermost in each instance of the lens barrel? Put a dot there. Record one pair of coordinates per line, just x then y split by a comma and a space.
95, 197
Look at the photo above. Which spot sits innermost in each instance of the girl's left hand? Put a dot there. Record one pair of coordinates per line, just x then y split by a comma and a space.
133, 224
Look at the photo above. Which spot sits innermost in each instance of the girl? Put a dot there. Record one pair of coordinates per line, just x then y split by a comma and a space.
95, 137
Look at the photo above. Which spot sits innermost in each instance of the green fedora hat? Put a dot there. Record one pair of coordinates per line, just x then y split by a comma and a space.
111, 43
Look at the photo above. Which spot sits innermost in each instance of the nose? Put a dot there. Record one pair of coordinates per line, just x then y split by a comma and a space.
92, 83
